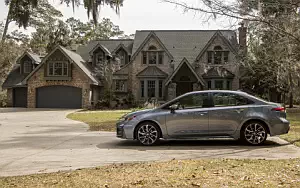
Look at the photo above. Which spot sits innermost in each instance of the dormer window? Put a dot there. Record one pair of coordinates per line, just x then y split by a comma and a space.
217, 56
152, 56
100, 58
122, 55
27, 67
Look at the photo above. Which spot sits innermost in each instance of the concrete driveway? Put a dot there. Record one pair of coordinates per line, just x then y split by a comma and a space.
39, 141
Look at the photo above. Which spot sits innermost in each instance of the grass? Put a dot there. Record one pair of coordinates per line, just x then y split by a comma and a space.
294, 134
99, 120
185, 173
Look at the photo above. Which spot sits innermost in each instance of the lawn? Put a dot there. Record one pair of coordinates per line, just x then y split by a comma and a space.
99, 120
185, 173
294, 134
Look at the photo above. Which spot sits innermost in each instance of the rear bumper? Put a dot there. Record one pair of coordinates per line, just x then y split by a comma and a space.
280, 128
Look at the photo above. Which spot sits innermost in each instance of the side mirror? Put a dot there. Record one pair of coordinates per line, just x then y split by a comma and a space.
173, 107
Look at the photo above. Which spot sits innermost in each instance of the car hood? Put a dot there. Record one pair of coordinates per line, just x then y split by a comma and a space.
137, 113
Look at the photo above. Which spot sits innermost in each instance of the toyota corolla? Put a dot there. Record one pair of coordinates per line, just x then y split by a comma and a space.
212, 114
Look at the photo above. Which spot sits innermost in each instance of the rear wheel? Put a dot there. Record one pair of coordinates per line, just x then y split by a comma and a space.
148, 134
254, 133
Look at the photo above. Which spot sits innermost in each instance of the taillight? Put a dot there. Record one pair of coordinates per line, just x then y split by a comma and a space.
279, 109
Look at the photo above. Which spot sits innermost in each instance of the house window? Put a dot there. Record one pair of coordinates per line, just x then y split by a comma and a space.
27, 66
160, 90
151, 88
228, 85
100, 58
120, 85
209, 84
160, 57
58, 68
217, 56
144, 57
152, 56
142, 88
121, 54
218, 84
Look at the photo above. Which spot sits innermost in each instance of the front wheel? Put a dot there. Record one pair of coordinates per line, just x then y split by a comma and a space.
148, 134
254, 133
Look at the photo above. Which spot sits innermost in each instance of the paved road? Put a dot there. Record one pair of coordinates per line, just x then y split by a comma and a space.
35, 141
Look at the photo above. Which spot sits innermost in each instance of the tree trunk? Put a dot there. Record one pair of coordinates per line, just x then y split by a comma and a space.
291, 99
6, 24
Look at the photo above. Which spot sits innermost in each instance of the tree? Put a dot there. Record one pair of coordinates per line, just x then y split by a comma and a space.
23, 11
25, 14
45, 38
272, 63
81, 33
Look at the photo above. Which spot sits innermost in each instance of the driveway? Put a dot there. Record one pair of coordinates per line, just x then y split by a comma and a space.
39, 141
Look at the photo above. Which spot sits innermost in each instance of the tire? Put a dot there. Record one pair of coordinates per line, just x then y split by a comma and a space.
148, 134
254, 133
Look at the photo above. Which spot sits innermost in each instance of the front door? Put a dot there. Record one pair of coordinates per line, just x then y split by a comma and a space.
227, 113
184, 85
191, 117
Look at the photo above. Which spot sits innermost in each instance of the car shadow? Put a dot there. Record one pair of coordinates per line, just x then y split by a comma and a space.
186, 145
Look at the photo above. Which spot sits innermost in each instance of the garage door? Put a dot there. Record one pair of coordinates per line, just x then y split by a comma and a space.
58, 97
20, 97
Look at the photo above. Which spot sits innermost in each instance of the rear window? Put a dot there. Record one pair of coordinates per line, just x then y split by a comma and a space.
230, 99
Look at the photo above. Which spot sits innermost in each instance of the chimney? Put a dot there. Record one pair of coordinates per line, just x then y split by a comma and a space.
243, 37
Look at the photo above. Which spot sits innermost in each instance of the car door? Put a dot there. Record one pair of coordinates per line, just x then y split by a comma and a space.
227, 113
190, 119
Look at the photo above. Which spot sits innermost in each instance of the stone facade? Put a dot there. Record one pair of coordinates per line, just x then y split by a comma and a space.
79, 79
9, 97
137, 66
202, 65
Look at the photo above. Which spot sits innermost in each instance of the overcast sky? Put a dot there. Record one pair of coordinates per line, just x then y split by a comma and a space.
141, 14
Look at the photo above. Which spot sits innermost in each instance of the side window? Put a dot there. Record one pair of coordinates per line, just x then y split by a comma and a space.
229, 99
200, 100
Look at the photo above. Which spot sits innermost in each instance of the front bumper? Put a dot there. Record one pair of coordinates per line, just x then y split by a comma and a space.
120, 130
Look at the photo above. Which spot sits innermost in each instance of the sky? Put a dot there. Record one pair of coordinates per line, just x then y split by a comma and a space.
141, 15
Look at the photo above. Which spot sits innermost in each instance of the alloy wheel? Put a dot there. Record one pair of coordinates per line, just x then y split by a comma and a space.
255, 133
147, 134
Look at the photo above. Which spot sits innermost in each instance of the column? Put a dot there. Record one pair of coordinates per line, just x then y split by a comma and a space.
171, 91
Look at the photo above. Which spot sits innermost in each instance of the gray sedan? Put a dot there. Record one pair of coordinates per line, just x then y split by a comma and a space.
213, 114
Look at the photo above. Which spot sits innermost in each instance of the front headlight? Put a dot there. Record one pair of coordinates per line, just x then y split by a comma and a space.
128, 118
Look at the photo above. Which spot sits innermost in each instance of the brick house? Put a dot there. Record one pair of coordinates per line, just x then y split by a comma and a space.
160, 64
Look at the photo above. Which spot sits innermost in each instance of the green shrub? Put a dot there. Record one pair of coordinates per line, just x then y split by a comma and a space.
3, 98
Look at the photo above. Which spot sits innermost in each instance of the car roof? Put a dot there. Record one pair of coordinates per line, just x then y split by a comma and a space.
217, 91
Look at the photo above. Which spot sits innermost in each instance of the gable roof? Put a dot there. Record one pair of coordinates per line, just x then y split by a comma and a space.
183, 43
34, 57
185, 61
218, 72
152, 71
73, 57
217, 34
141, 46
103, 48
109, 44
14, 78
123, 47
